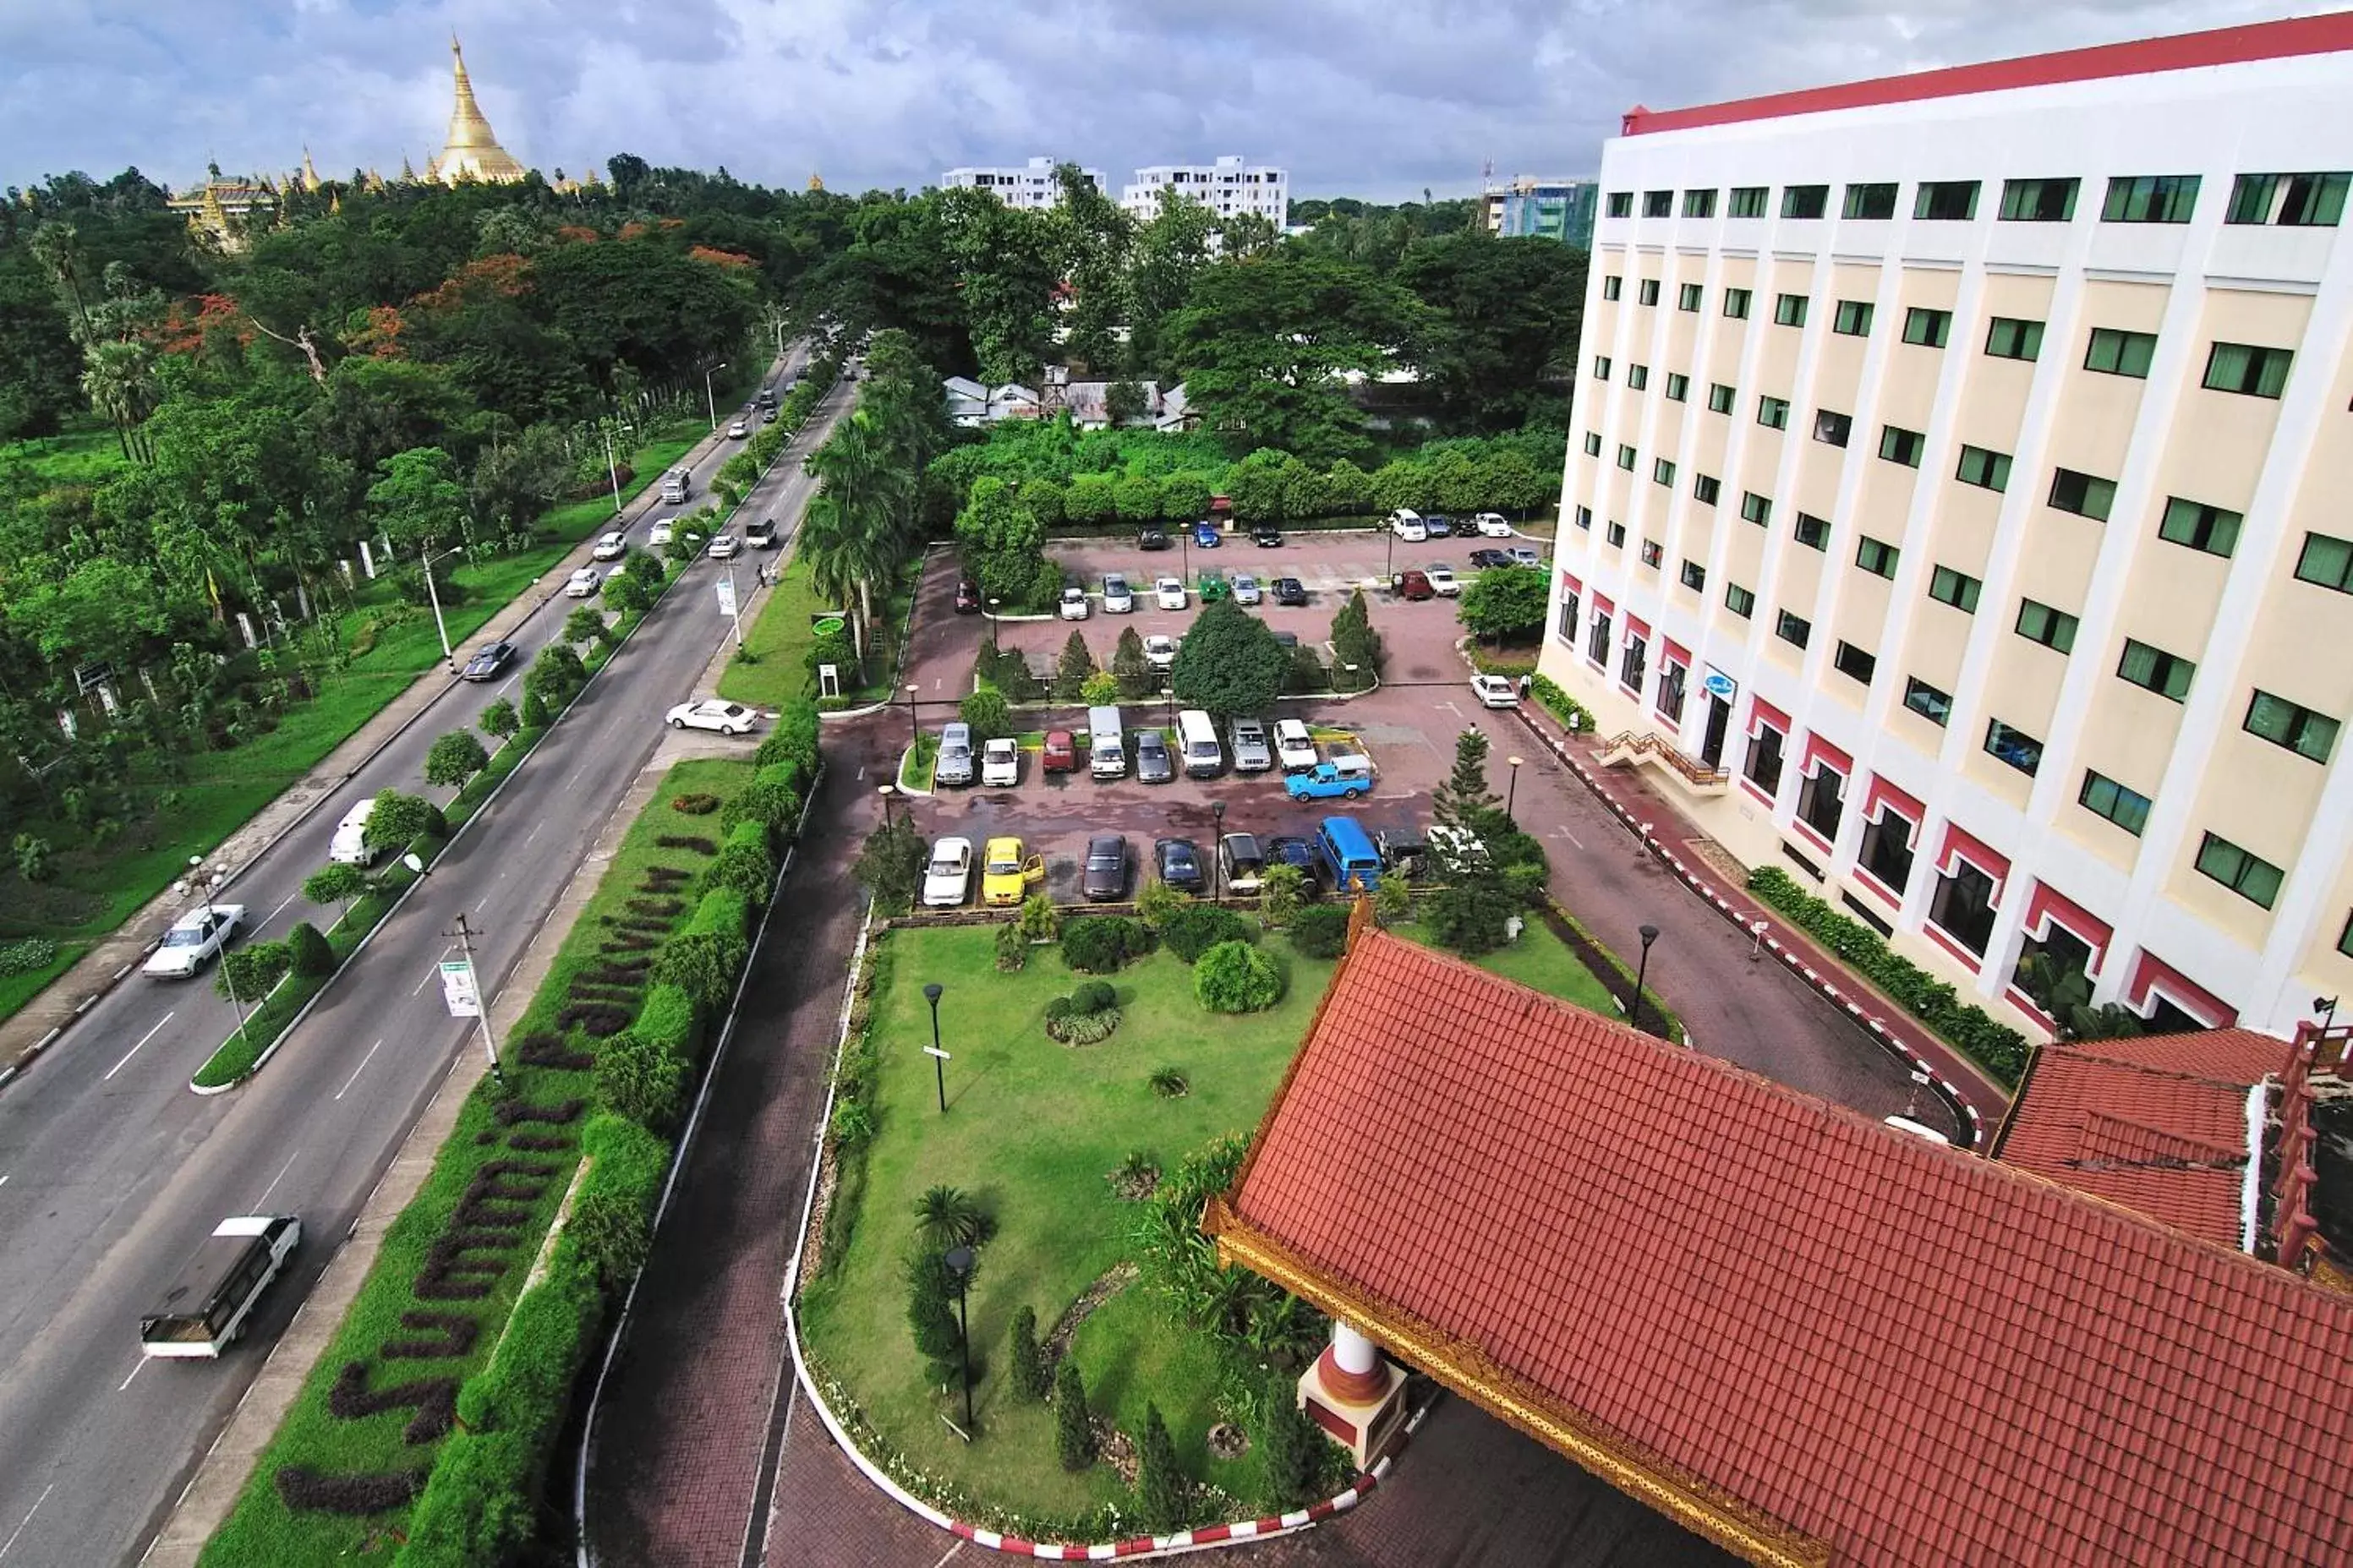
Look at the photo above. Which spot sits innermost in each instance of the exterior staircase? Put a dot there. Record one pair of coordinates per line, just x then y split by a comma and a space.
1697, 777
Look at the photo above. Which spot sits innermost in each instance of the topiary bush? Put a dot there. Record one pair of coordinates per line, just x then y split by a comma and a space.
1320, 931
1189, 930
1236, 977
1094, 996
312, 954
1099, 944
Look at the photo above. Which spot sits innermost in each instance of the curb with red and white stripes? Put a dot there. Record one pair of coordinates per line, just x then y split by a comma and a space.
1956, 1099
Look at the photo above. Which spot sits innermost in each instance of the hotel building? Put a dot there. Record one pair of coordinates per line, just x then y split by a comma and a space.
1231, 188
1960, 508
1031, 186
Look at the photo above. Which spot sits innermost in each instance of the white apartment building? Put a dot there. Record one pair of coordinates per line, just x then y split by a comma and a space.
1230, 187
1960, 508
1031, 186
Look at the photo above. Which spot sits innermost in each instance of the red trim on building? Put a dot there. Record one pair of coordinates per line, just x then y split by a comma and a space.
1930, 929
1873, 885
2184, 993
1962, 844
1677, 653
1817, 748
2048, 903
1602, 605
1882, 793
1569, 582
1636, 626
2141, 57
1758, 709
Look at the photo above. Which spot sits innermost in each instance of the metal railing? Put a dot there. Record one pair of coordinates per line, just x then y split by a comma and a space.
1627, 744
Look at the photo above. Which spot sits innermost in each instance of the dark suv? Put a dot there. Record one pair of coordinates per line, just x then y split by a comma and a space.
1152, 539
1104, 880
1179, 861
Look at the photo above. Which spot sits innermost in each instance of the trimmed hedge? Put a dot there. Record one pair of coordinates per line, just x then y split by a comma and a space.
1189, 930
1099, 944
746, 863
2001, 1050
1319, 931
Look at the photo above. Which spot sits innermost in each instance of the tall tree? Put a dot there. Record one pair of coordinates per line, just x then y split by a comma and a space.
418, 500
1499, 334
1171, 250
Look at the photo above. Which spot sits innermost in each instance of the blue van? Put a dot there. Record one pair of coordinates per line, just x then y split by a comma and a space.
1348, 856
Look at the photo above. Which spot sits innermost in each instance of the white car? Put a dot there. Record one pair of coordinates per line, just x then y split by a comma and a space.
193, 940
1074, 605
612, 547
583, 582
1159, 651
1493, 525
350, 846
1169, 592
1443, 579
1001, 765
1246, 589
1294, 748
1522, 556
737, 430
1495, 690
1119, 599
711, 713
723, 547
1406, 523
661, 533
947, 880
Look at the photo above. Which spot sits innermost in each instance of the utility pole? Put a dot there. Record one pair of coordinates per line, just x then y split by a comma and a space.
611, 471
489, 1036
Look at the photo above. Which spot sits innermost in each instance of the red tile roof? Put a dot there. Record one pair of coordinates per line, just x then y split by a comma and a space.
1913, 1354
2157, 1125
2184, 51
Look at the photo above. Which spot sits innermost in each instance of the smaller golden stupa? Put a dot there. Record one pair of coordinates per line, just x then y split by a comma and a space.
473, 151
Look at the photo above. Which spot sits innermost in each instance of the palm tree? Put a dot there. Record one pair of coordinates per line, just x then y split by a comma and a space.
58, 248
119, 380
947, 1216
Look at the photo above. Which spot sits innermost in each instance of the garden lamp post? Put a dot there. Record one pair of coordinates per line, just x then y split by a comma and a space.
1217, 850
887, 792
1388, 557
1650, 934
995, 618
710, 396
960, 1261
1512, 790
939, 1056
1352, 675
914, 730
1185, 550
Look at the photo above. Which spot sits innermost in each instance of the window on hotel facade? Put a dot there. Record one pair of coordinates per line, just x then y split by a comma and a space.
1626, 457
1565, 628
1646, 291
2293, 725
1792, 629
2153, 669
1986, 471
1673, 680
1593, 442
1963, 905
1652, 552
2291, 201
2040, 623
1735, 303
1612, 285
1886, 851
1620, 204
2115, 352
1935, 706
2323, 560
1832, 428
1688, 295
1898, 445
1704, 489
2103, 796
1678, 387
1633, 664
1637, 377
1597, 639
1927, 328
1871, 201
2246, 368
2010, 744
1877, 557
1958, 589
2038, 201
2009, 338
1658, 203
1695, 576
2253, 879
1773, 412
1602, 367
1616, 534
1763, 763
1854, 663
1811, 531
1789, 310
2344, 938
1818, 805
1739, 600
1719, 397
2200, 526
1755, 508
1699, 204
1852, 319
1947, 201
1805, 201
1583, 517
2150, 198
2083, 494
1749, 201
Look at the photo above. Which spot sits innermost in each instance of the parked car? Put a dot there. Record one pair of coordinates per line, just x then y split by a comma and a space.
583, 582
350, 847
1169, 592
1403, 850
1245, 587
947, 881
1406, 523
968, 596
1266, 536
768, 417
1414, 586
1495, 690
1153, 764
1253, 753
1104, 879
1441, 578
1160, 650
663, 533
711, 713
1290, 591
1152, 539
1119, 599
1243, 862
723, 547
488, 661
1294, 748
1001, 765
1483, 559
1343, 778
1075, 606
610, 547
1299, 854
1007, 871
194, 940
1178, 861
737, 429
1493, 525
954, 764
1438, 525
1522, 555
1060, 754
761, 535
1206, 535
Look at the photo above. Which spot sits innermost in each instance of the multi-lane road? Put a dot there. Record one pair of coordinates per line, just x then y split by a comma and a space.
111, 1170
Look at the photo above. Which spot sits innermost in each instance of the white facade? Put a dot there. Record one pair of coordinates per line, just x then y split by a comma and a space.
1230, 187
1030, 186
2051, 553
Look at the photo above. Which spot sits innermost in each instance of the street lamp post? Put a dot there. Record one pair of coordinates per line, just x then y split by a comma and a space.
1650, 934
710, 396
1512, 790
1389, 558
939, 1058
914, 730
204, 880
887, 792
1185, 548
1217, 850
433, 596
612, 469
960, 1261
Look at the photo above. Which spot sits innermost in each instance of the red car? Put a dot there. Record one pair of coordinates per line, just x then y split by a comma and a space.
1414, 585
967, 599
1062, 755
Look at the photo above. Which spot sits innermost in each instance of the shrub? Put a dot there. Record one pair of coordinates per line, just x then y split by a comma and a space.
1190, 930
667, 1014
1235, 977
1094, 996
1320, 931
312, 954
1100, 690
535, 709
557, 673
745, 864
691, 841
1154, 901
498, 719
1292, 1449
455, 758
1071, 1026
1099, 944
793, 739
1074, 1438
1029, 1382
853, 1126
890, 867
1159, 1484
703, 963
1561, 705
1169, 1083
1012, 950
39, 953
987, 711
695, 805
947, 1217
643, 1077
247, 972
931, 1310
611, 1236
771, 799
1039, 920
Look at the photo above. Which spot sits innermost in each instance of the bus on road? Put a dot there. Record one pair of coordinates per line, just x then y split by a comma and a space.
206, 1307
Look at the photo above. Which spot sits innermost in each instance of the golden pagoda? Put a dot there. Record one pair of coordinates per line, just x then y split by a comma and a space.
473, 151
816, 180
310, 175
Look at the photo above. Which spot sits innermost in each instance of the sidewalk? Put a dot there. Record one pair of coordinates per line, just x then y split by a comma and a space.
1667, 833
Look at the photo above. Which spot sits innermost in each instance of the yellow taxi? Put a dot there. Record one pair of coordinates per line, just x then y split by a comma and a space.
1007, 872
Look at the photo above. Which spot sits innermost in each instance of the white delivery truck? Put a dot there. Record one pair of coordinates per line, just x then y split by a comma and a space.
1106, 744
677, 485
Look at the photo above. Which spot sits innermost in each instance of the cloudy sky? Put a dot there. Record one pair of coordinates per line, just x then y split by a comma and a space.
1375, 97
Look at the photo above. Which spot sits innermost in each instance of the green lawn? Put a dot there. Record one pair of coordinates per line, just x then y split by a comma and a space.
1541, 961
768, 670
76, 457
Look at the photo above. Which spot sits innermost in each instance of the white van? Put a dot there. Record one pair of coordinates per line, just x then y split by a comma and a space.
1406, 523
1204, 758
350, 846
677, 485
1106, 744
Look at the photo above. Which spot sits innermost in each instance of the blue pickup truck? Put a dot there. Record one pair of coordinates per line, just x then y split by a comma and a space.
1344, 777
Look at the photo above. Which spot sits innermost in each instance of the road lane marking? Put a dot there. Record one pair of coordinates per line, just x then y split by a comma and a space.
135, 1373
357, 1070
279, 910
143, 1040
272, 1187
429, 974
533, 833
1572, 837
30, 1512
